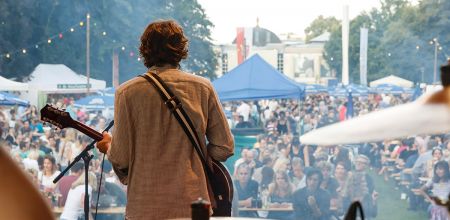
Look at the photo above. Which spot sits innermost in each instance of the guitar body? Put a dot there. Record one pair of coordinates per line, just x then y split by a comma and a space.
222, 186
220, 179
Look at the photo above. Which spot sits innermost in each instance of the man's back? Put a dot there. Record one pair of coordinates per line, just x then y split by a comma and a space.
165, 173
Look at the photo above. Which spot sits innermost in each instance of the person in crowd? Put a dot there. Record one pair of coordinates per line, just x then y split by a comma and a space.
73, 208
247, 190
312, 202
48, 174
267, 176
281, 164
282, 124
244, 110
298, 174
342, 175
342, 154
30, 162
436, 154
329, 183
439, 186
280, 195
65, 183
257, 174
361, 188
243, 124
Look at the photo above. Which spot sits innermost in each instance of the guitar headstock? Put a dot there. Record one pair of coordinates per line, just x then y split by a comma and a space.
57, 117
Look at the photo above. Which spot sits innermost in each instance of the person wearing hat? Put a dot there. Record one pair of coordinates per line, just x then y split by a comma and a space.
361, 187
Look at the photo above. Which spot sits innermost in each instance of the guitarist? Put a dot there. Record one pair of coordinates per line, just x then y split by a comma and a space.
149, 150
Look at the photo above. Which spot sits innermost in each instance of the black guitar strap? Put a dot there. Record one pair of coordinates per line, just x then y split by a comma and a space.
176, 107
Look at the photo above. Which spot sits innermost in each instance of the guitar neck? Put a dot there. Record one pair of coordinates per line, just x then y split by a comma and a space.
88, 131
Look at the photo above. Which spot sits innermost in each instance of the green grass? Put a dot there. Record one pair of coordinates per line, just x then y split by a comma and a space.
390, 206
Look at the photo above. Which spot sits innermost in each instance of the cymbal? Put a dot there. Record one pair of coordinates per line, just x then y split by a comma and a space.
428, 115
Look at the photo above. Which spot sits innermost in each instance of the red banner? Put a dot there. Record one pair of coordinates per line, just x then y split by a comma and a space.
240, 44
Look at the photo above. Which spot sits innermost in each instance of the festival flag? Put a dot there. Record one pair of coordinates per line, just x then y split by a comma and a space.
240, 44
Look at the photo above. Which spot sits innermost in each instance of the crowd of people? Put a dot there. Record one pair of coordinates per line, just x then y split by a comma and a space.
296, 181
279, 174
44, 152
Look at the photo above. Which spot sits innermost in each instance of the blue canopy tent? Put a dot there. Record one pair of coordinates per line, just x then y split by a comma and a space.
95, 102
256, 79
311, 89
392, 89
343, 91
107, 91
10, 99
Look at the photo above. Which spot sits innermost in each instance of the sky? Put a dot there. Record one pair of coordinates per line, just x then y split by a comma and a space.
279, 16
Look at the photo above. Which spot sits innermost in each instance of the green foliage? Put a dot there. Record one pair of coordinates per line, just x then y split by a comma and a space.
24, 23
321, 25
399, 36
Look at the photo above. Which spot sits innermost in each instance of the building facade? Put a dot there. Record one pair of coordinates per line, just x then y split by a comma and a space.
300, 61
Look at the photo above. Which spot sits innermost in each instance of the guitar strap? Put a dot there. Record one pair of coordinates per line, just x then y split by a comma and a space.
176, 108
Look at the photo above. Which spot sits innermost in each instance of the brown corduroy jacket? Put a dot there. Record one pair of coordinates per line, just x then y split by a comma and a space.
151, 153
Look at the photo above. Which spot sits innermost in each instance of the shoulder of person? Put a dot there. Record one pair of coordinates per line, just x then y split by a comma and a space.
202, 81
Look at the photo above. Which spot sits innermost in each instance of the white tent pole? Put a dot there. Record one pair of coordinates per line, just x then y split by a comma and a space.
88, 61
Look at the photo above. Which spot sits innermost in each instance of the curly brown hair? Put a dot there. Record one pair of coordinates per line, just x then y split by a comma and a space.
163, 42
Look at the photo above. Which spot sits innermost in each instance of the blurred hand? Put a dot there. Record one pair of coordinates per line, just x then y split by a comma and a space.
311, 200
105, 143
248, 202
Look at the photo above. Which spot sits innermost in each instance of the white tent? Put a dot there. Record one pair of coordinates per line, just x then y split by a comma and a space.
9, 85
393, 80
57, 78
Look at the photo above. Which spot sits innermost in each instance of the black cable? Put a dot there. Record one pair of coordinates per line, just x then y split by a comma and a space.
99, 185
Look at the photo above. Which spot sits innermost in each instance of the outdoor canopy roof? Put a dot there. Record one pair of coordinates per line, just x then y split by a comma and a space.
256, 79
59, 78
394, 80
9, 85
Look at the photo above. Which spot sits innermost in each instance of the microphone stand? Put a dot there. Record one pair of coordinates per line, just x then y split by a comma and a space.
86, 158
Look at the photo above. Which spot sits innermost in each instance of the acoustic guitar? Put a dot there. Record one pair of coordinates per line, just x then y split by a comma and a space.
221, 182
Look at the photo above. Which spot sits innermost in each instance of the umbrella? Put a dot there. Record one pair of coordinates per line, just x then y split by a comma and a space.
10, 99
95, 102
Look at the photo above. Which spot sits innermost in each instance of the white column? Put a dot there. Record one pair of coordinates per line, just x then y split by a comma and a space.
345, 36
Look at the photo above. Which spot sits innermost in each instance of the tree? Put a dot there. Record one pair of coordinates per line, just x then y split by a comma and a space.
321, 25
115, 26
382, 50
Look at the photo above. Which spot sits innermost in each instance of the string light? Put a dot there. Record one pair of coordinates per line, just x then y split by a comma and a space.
37, 45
